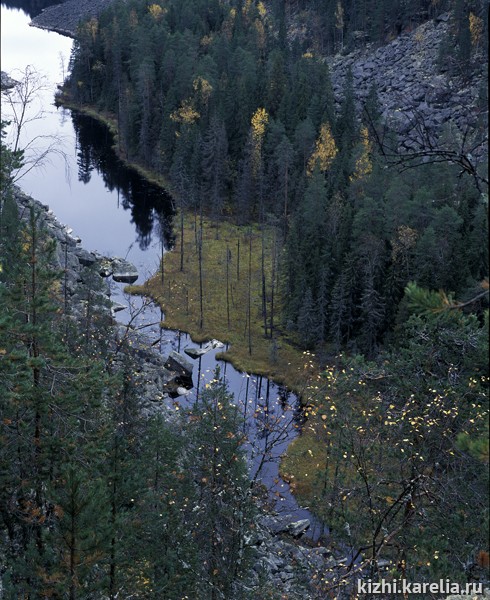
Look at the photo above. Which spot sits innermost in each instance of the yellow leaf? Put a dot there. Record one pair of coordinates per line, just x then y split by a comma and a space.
325, 150
185, 114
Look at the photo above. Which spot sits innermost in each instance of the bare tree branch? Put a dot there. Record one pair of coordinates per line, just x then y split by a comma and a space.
422, 146
22, 108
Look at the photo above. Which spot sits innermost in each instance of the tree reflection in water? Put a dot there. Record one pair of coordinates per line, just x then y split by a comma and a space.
149, 204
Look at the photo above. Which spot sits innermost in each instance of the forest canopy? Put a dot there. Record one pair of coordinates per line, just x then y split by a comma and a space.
238, 112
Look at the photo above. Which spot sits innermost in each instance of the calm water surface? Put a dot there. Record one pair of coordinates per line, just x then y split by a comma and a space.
117, 213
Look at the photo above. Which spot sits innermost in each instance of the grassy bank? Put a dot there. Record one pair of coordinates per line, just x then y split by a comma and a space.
239, 269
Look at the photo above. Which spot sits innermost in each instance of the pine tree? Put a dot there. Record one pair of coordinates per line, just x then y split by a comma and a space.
343, 313
283, 158
304, 138
160, 547
46, 397
223, 509
306, 243
79, 537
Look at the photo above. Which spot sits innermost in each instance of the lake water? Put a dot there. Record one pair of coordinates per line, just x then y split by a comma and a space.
114, 211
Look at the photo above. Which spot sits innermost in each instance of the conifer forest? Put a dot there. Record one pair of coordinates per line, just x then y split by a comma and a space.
331, 226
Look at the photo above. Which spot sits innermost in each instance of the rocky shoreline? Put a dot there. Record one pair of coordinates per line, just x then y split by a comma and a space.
79, 267
290, 565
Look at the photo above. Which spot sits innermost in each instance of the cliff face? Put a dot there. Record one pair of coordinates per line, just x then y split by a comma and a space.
412, 87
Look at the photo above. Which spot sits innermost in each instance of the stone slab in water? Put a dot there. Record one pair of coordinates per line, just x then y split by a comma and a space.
197, 352
179, 364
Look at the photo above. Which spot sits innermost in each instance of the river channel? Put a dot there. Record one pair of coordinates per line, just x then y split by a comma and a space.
117, 213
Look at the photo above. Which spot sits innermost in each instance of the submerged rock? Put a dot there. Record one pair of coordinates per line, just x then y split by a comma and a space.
123, 271
197, 352
182, 391
117, 307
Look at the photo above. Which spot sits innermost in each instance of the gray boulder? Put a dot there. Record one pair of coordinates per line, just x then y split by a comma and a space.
197, 352
123, 271
6, 82
85, 258
179, 365
298, 528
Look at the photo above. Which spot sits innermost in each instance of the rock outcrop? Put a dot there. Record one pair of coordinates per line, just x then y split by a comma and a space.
412, 86
290, 565
123, 271
6, 82
64, 18
81, 273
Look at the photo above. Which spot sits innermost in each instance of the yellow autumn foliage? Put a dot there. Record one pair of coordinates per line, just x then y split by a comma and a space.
259, 121
186, 114
247, 6
476, 28
206, 41
262, 9
405, 240
325, 150
156, 11
364, 165
202, 87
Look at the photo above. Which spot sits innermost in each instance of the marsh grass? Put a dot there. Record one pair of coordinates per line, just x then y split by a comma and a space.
231, 259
